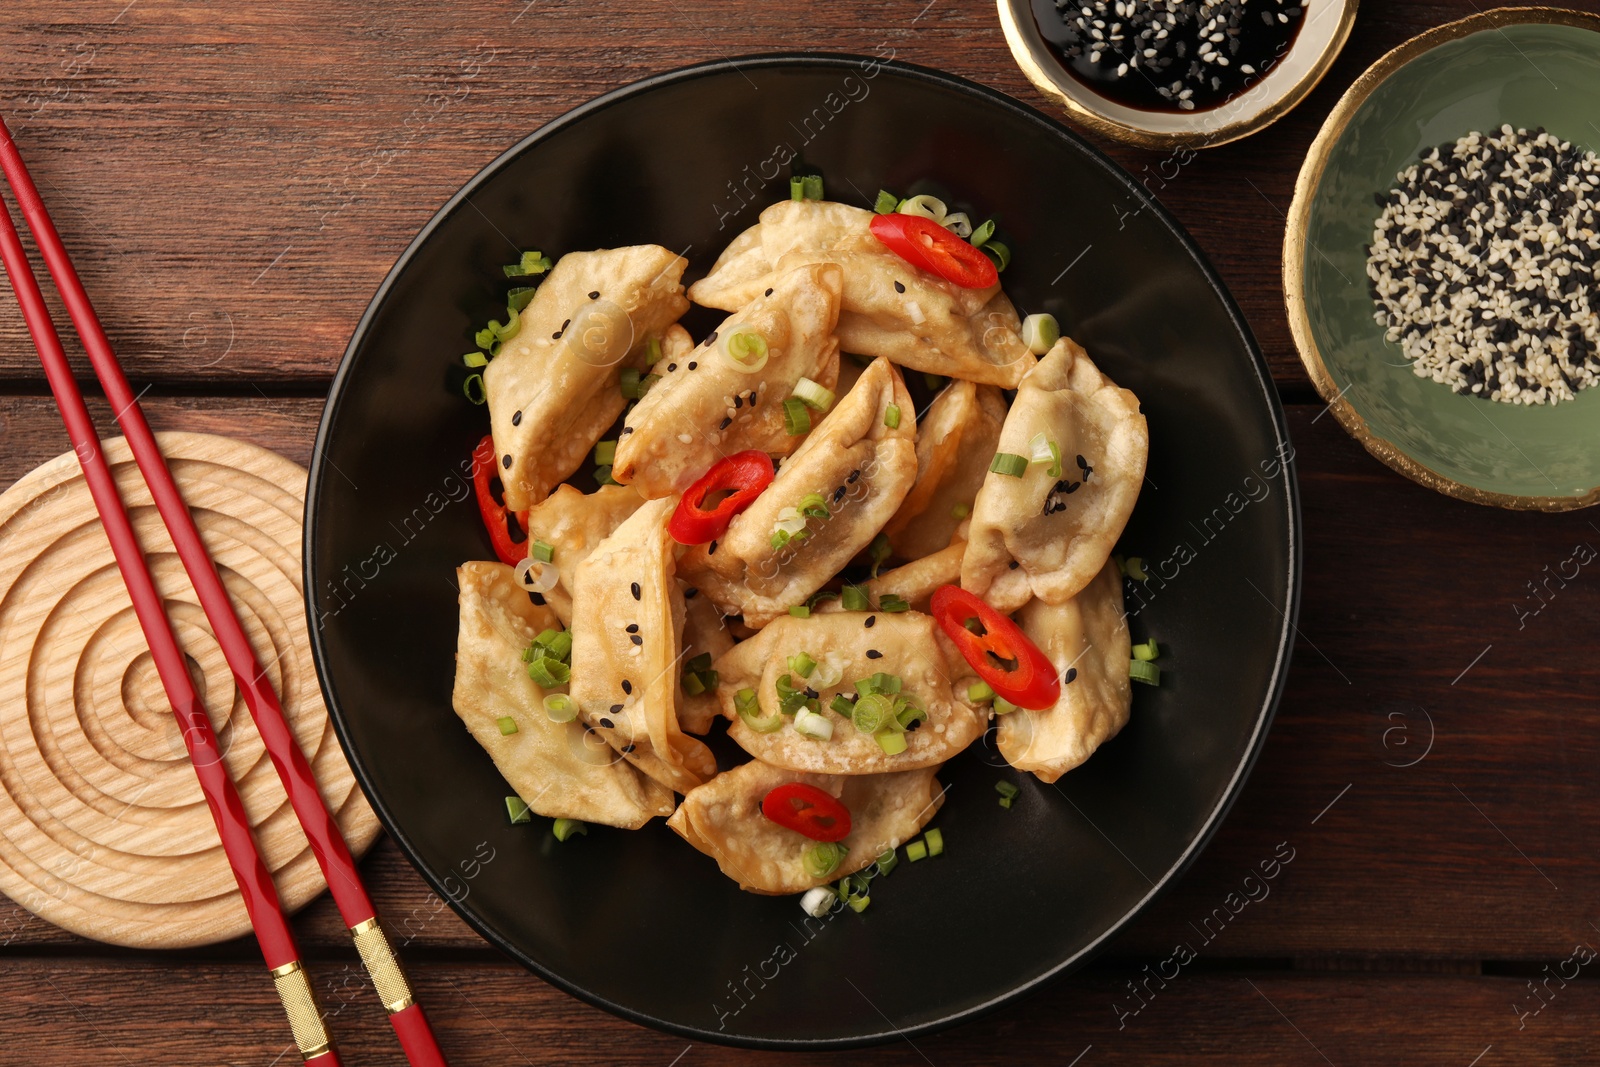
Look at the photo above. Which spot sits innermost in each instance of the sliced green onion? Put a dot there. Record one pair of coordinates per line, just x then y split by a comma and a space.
893, 742
746, 350
813, 506
960, 511
485, 338
557, 642
602, 476
1002, 706
558, 707
802, 664
699, 663
531, 263
854, 598
548, 671
907, 713
935, 839
823, 859
1005, 788
796, 418
879, 550
507, 724
1043, 450
473, 389
981, 235
882, 682
811, 185
859, 904
519, 298
790, 521
978, 692
871, 712
843, 705
813, 395
780, 538
818, 901
1147, 651
891, 416
886, 202
512, 327
1040, 332
475, 359
543, 551
958, 223
791, 698
565, 828
605, 453
820, 595
710, 679
934, 382
691, 684
1005, 802
517, 810
652, 350
1009, 463
886, 862
997, 252
916, 850
633, 385
1134, 568
799, 611
1144, 671
797, 188
749, 709
808, 723
892, 604
924, 206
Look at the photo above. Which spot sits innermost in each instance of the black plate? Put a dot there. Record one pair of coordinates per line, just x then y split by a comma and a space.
640, 923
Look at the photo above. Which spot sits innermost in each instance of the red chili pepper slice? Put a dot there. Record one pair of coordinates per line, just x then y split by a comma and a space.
924, 243
805, 809
996, 648
742, 476
496, 516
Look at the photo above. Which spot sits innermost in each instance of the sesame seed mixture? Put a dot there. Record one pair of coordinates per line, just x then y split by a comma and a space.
1482, 266
1169, 55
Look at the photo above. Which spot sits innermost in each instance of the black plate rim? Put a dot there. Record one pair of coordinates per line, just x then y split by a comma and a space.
1048, 126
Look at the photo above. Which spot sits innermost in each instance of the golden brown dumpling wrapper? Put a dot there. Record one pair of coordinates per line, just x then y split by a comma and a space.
863, 469
890, 308
556, 768
704, 631
572, 523
554, 387
723, 819
908, 644
704, 408
1087, 635
626, 625
956, 439
1057, 532
912, 582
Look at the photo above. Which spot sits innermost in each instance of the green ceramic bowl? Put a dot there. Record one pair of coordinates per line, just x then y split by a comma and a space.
1529, 67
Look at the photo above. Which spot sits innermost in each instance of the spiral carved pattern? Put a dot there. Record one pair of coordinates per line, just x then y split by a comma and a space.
103, 828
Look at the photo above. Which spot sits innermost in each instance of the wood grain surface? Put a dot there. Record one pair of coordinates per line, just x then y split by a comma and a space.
255, 171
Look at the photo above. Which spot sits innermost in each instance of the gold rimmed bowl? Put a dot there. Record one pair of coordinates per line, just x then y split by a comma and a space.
1526, 67
1283, 82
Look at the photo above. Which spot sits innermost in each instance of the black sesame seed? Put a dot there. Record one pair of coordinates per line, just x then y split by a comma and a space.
811, 694
1072, 675
693, 364
710, 340
633, 627
899, 287
838, 494
627, 748
853, 476
627, 686
516, 418
872, 620
594, 294
636, 639
873, 653
634, 589
767, 293
1013, 565
671, 367
711, 549
738, 401
506, 463
725, 423
625, 430
607, 723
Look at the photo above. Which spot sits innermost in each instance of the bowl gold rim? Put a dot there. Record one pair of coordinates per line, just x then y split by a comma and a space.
1294, 244
1031, 54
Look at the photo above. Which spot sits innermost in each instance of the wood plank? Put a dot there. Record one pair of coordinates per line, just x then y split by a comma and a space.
1404, 589
207, 1013
294, 149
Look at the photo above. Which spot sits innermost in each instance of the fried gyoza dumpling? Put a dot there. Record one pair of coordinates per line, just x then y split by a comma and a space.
1087, 640
723, 819
890, 308
553, 389
705, 632
850, 646
912, 582
573, 523
712, 404
862, 469
1048, 537
956, 438
553, 766
627, 618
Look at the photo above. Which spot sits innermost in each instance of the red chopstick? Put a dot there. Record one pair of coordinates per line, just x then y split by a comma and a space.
233, 825
338, 867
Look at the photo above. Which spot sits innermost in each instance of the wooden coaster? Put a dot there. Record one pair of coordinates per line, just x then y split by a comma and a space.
103, 828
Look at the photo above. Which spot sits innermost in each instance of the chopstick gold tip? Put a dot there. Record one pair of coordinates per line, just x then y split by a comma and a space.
387, 977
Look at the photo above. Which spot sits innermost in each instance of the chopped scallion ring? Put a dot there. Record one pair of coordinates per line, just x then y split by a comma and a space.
886, 202
892, 604
1005, 788
893, 742
800, 611
886, 862
1002, 706
749, 709
813, 395
891, 416
818, 902
802, 664
546, 671
507, 724
813, 506
517, 810
745, 350
565, 828
797, 188
1040, 332
872, 712
605, 453
981, 235
960, 511
633, 385
791, 521
474, 390
519, 298
1147, 651
928, 207
997, 252
1005, 802
879, 550
1144, 671
916, 850
808, 723
934, 382
859, 904
958, 223
1043, 450
811, 186
602, 476
843, 705
475, 359
828, 672
691, 684
935, 840
558, 707
854, 598
823, 858
531, 264
543, 551
796, 418
1134, 568
978, 692
1009, 463
536, 575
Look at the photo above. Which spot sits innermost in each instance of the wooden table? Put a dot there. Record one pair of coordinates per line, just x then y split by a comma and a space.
234, 180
